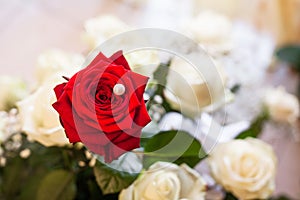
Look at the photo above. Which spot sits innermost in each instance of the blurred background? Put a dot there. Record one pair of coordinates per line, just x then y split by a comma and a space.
30, 27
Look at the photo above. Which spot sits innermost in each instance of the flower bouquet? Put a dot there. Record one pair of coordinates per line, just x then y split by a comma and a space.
133, 124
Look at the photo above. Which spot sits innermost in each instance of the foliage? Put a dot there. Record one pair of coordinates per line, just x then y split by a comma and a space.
256, 126
173, 146
160, 78
47, 171
111, 180
290, 54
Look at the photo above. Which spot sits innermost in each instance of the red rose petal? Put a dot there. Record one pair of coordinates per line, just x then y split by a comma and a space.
99, 58
119, 59
142, 117
65, 111
113, 151
140, 83
59, 89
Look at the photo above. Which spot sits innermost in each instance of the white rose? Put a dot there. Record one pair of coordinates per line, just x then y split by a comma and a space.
12, 90
39, 119
54, 61
245, 167
187, 91
210, 29
282, 106
144, 62
99, 29
166, 181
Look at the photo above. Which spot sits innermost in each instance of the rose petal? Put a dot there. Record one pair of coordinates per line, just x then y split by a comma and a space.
99, 58
62, 106
140, 83
142, 117
119, 59
59, 89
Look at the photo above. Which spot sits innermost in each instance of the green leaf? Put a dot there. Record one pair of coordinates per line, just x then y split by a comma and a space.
235, 88
59, 184
290, 54
160, 75
111, 180
173, 146
15, 174
256, 126
10, 177
33, 180
149, 131
230, 196
87, 187
30, 170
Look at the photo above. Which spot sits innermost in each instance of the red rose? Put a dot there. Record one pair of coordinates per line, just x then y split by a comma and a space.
107, 118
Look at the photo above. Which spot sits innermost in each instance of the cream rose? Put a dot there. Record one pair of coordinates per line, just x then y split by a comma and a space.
144, 62
39, 119
12, 90
55, 61
187, 91
282, 106
98, 29
245, 167
166, 181
210, 29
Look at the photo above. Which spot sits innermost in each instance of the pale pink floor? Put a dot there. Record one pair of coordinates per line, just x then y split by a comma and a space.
29, 27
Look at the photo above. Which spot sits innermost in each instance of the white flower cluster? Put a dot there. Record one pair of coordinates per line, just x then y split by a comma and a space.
9, 124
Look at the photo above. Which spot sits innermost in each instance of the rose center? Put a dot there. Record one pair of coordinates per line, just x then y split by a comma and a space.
103, 94
165, 186
248, 163
103, 97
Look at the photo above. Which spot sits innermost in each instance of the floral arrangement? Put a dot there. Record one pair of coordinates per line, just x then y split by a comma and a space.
108, 129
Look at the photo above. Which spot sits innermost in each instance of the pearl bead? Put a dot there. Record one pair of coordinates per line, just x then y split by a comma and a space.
119, 89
